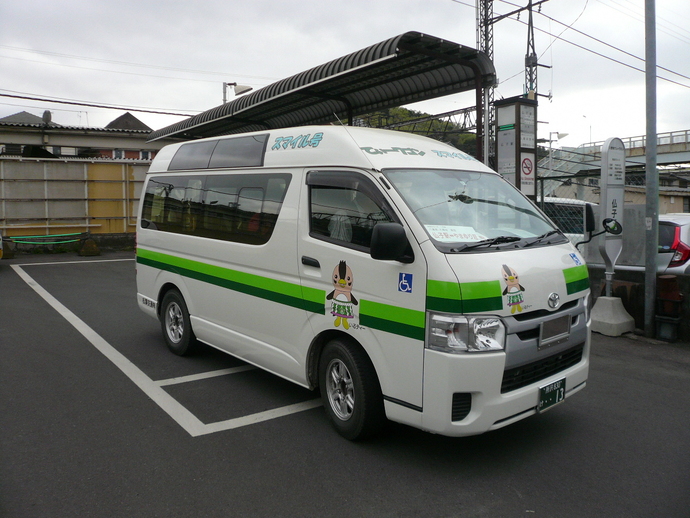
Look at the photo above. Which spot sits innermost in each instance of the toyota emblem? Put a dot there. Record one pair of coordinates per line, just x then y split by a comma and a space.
554, 300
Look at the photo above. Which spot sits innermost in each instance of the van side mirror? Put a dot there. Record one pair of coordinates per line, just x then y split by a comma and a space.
611, 226
590, 222
389, 243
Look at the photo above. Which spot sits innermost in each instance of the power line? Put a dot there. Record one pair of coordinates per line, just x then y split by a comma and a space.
114, 71
125, 63
603, 43
639, 17
600, 54
93, 105
587, 49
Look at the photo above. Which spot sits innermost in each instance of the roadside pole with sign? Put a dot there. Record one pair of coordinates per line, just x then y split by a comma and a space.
516, 143
612, 200
609, 317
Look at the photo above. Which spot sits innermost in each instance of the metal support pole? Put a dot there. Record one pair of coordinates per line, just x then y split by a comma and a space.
652, 177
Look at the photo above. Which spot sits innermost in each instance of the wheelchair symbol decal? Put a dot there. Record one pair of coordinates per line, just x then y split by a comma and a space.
405, 282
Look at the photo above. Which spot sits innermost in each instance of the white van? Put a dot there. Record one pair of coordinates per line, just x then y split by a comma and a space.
568, 215
399, 275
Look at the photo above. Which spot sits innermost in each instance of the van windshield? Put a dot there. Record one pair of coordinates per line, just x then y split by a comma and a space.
471, 211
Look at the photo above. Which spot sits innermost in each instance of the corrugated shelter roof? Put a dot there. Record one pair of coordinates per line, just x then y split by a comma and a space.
408, 68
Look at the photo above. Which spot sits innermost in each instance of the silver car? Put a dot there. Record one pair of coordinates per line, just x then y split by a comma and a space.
674, 235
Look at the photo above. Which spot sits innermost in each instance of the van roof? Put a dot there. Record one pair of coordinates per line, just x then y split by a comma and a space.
315, 146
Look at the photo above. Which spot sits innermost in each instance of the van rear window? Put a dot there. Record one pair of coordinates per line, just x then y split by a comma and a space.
240, 207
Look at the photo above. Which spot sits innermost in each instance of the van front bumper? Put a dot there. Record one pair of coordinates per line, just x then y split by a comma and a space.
469, 394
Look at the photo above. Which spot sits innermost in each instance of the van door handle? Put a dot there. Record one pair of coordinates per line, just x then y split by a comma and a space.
310, 261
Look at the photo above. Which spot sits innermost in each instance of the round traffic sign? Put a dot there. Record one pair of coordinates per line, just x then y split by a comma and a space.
527, 166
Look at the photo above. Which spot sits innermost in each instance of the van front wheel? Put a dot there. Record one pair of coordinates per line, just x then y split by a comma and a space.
176, 326
350, 390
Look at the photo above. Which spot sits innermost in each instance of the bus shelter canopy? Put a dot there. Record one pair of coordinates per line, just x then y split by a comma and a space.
408, 68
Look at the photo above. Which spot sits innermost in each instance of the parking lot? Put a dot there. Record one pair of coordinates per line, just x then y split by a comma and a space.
99, 419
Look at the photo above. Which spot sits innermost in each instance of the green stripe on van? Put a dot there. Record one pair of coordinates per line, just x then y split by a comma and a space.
467, 297
576, 279
392, 319
294, 295
443, 296
481, 296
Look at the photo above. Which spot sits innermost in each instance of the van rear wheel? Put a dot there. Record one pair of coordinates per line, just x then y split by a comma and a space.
176, 326
350, 390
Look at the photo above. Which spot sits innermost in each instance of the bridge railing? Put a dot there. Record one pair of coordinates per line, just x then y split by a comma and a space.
666, 142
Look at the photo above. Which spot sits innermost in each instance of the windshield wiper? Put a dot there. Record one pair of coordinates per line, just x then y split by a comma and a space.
539, 239
487, 242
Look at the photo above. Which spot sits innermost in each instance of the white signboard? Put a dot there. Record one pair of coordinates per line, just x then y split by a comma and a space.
505, 139
453, 233
528, 128
612, 197
505, 115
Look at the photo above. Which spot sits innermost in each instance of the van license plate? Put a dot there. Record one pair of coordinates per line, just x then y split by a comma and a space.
554, 332
551, 394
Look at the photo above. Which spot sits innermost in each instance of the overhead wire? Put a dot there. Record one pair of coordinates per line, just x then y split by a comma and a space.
93, 105
598, 53
125, 63
661, 22
608, 45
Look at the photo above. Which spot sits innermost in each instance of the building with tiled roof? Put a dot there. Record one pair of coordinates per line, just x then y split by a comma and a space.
58, 180
27, 135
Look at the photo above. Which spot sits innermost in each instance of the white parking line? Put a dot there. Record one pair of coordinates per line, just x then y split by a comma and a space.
204, 375
172, 407
82, 261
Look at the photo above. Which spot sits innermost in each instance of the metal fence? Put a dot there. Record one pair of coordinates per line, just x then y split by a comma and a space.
58, 196
566, 191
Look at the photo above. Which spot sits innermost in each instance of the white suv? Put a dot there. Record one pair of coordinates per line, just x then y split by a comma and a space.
674, 234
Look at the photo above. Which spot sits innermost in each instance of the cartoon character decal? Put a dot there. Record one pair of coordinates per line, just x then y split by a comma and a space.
513, 289
342, 299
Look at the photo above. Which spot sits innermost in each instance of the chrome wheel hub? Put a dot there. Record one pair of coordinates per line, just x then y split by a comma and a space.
340, 390
174, 323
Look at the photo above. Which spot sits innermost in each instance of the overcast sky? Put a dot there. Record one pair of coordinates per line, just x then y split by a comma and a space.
174, 56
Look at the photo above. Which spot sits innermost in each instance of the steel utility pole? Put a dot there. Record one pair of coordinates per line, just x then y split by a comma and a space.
530, 59
485, 43
651, 173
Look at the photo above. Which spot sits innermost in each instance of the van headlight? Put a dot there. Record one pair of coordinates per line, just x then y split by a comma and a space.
455, 333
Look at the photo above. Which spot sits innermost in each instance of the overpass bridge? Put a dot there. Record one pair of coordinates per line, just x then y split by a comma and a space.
573, 173
673, 148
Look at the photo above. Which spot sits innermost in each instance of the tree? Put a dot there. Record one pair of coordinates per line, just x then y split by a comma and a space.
423, 124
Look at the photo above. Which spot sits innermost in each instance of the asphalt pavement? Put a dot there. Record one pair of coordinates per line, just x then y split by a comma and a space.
98, 419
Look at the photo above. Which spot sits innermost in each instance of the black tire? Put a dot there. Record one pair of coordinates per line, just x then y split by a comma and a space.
176, 326
350, 390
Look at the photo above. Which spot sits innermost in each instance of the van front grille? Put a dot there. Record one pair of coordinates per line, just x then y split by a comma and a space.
524, 375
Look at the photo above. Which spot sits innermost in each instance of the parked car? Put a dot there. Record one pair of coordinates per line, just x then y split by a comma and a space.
568, 215
674, 234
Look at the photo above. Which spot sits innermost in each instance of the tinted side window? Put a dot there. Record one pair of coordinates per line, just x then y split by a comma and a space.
232, 152
242, 208
344, 215
192, 156
239, 152
667, 234
173, 204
